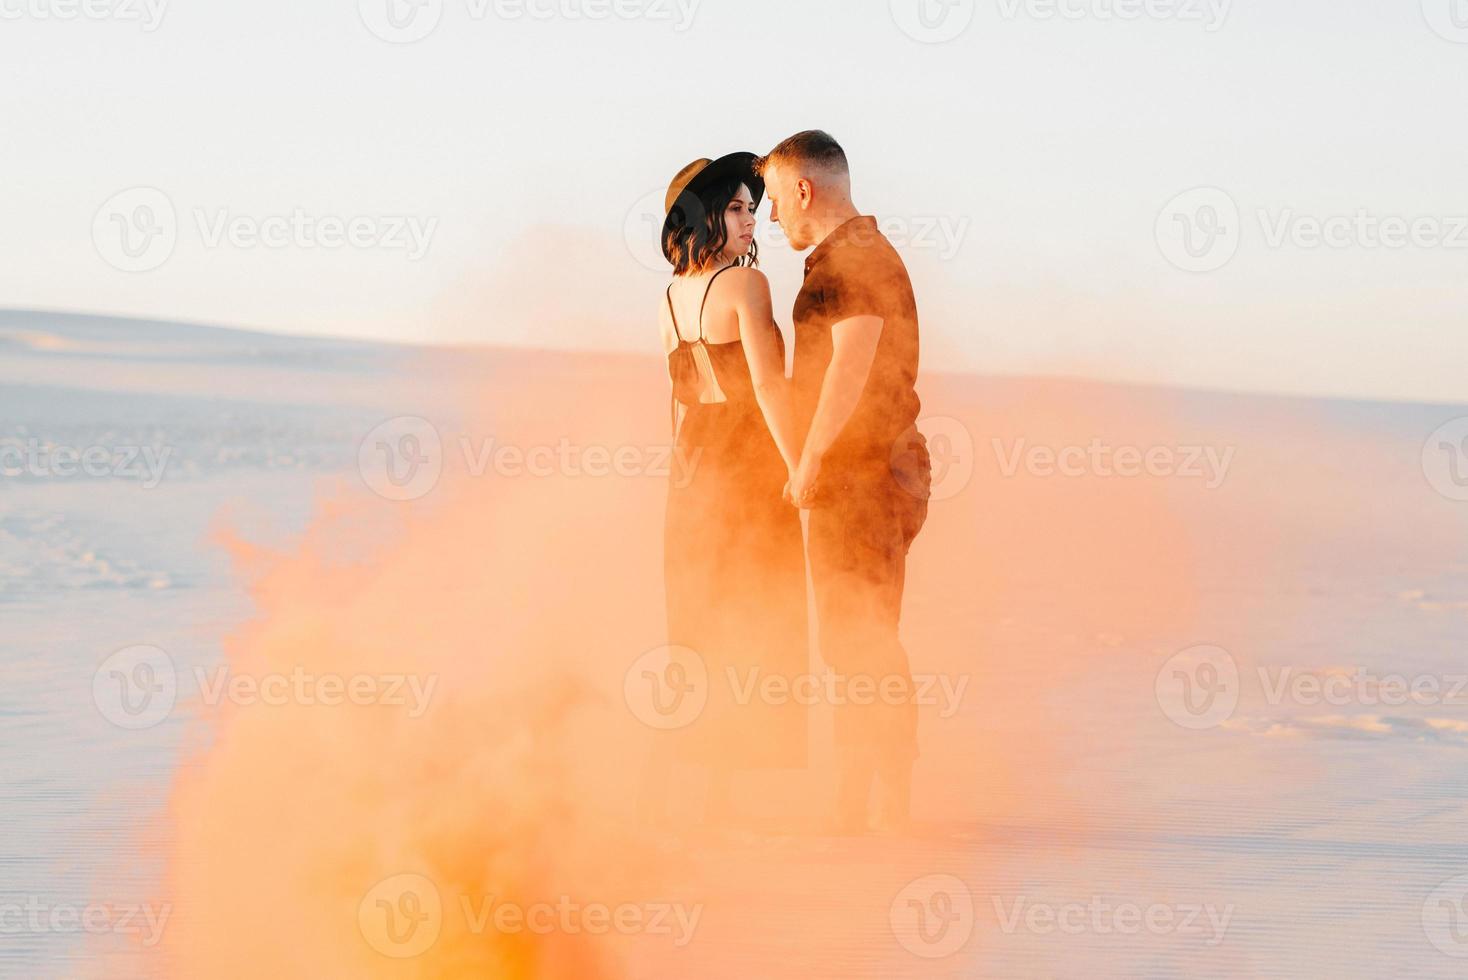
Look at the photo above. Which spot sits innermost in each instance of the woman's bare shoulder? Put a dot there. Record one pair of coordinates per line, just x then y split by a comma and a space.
747, 281
748, 275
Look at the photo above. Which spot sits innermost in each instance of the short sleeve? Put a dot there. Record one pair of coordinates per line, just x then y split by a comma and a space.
861, 284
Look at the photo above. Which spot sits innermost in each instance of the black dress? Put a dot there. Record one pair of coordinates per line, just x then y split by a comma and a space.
734, 563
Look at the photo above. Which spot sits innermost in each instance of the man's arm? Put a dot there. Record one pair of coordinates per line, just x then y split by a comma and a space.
853, 348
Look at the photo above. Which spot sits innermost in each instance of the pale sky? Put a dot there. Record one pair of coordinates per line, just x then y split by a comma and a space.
1022, 167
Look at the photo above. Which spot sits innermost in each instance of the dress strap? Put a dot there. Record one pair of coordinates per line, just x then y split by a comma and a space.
708, 289
669, 295
697, 344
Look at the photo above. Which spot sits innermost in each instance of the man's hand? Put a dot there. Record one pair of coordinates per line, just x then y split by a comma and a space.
853, 348
802, 486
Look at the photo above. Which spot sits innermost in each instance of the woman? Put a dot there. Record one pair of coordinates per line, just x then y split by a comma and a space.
734, 559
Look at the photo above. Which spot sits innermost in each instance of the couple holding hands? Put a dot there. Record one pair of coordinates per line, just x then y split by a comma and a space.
837, 439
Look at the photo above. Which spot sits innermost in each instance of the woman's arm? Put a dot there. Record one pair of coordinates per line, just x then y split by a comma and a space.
760, 335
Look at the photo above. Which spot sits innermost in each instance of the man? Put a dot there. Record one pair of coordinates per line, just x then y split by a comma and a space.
864, 471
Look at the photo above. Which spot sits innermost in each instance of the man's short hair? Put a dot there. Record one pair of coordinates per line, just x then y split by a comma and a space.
814, 147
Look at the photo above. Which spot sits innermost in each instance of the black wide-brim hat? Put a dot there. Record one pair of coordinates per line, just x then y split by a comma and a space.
699, 174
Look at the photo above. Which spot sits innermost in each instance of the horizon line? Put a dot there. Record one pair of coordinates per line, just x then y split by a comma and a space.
429, 346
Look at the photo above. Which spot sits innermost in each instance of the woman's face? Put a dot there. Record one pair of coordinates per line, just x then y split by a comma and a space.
739, 222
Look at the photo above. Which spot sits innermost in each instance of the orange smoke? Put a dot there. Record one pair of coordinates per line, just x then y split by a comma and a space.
479, 822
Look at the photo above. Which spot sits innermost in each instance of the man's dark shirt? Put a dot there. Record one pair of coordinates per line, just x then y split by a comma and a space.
857, 272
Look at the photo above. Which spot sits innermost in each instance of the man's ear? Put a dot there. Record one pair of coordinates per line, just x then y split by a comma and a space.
806, 190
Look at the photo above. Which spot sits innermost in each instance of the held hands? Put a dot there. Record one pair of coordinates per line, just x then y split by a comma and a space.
801, 488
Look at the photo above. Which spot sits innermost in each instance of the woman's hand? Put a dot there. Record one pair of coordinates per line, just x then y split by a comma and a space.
801, 490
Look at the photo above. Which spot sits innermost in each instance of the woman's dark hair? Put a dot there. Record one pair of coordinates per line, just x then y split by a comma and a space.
695, 233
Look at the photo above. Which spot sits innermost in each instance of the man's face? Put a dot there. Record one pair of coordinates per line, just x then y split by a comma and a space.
790, 201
